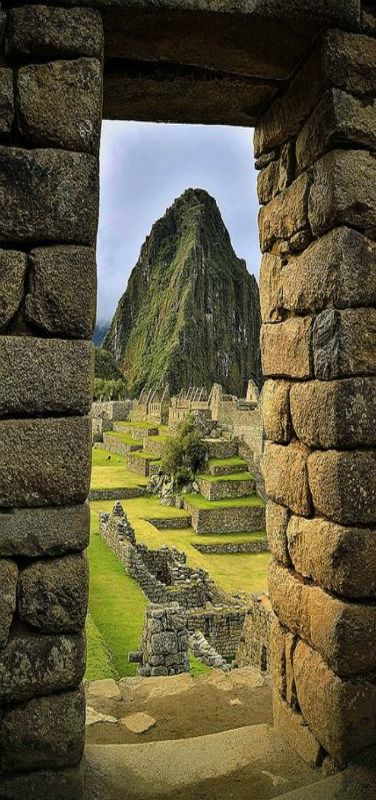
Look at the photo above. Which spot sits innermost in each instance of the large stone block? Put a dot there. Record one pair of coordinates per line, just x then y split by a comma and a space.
286, 349
48, 196
343, 191
8, 597
44, 785
277, 518
12, 284
342, 714
342, 60
278, 655
45, 733
62, 290
342, 631
335, 271
45, 376
60, 104
276, 417
286, 476
342, 560
6, 101
36, 532
343, 485
45, 32
343, 343
32, 665
286, 214
45, 461
335, 414
338, 119
291, 726
53, 595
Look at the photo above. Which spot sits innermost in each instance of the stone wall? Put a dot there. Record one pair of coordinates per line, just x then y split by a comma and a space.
50, 118
221, 627
227, 520
254, 645
315, 149
239, 416
112, 410
164, 642
256, 546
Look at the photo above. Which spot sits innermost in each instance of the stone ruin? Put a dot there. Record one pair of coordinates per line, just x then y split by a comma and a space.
166, 580
164, 647
152, 405
302, 73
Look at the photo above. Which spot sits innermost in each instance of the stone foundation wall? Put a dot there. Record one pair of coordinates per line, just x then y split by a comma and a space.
140, 464
115, 445
164, 642
112, 410
254, 645
258, 546
50, 119
315, 148
116, 494
227, 520
226, 490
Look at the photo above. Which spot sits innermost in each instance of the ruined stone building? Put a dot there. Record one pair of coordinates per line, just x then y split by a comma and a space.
303, 73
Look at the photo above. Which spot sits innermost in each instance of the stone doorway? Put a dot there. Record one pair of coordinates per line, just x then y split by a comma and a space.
305, 77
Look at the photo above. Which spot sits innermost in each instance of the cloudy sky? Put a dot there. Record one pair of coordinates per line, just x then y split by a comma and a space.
144, 167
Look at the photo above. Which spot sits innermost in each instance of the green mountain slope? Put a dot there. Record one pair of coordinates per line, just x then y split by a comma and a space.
190, 314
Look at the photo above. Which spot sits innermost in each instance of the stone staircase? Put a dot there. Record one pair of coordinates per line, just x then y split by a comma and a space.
141, 443
228, 501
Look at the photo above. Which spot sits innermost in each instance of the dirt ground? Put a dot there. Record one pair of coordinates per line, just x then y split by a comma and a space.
183, 707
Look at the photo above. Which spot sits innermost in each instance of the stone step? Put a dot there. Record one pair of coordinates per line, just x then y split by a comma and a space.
215, 517
143, 463
139, 432
228, 488
154, 444
221, 448
121, 446
252, 760
223, 468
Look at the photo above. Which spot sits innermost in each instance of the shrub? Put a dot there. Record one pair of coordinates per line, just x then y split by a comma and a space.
184, 454
109, 390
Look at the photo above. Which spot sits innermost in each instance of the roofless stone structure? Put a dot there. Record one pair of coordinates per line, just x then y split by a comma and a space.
304, 73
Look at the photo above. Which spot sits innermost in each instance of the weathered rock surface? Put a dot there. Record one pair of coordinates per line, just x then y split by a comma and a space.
41, 376
341, 631
52, 32
286, 348
190, 314
8, 597
342, 560
286, 214
291, 726
35, 532
32, 665
342, 413
45, 733
138, 722
12, 284
48, 195
59, 104
343, 486
53, 595
339, 118
342, 713
62, 290
277, 518
45, 461
45, 784
286, 476
334, 271
343, 191
6, 101
344, 343
94, 717
343, 60
276, 411
106, 689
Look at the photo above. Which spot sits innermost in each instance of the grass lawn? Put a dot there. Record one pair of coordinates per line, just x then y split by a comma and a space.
102, 458
144, 454
116, 477
199, 501
235, 476
197, 667
116, 602
99, 660
147, 426
126, 438
233, 461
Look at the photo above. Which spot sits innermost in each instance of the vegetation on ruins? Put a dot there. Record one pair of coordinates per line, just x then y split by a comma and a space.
109, 389
190, 314
106, 367
184, 454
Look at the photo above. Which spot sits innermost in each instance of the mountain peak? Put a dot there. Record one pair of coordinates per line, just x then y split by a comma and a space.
190, 313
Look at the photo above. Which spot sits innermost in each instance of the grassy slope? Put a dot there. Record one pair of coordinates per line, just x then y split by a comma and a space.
234, 461
99, 659
237, 476
199, 501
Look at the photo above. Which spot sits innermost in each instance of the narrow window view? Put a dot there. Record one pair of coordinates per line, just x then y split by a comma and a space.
187, 400
178, 552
